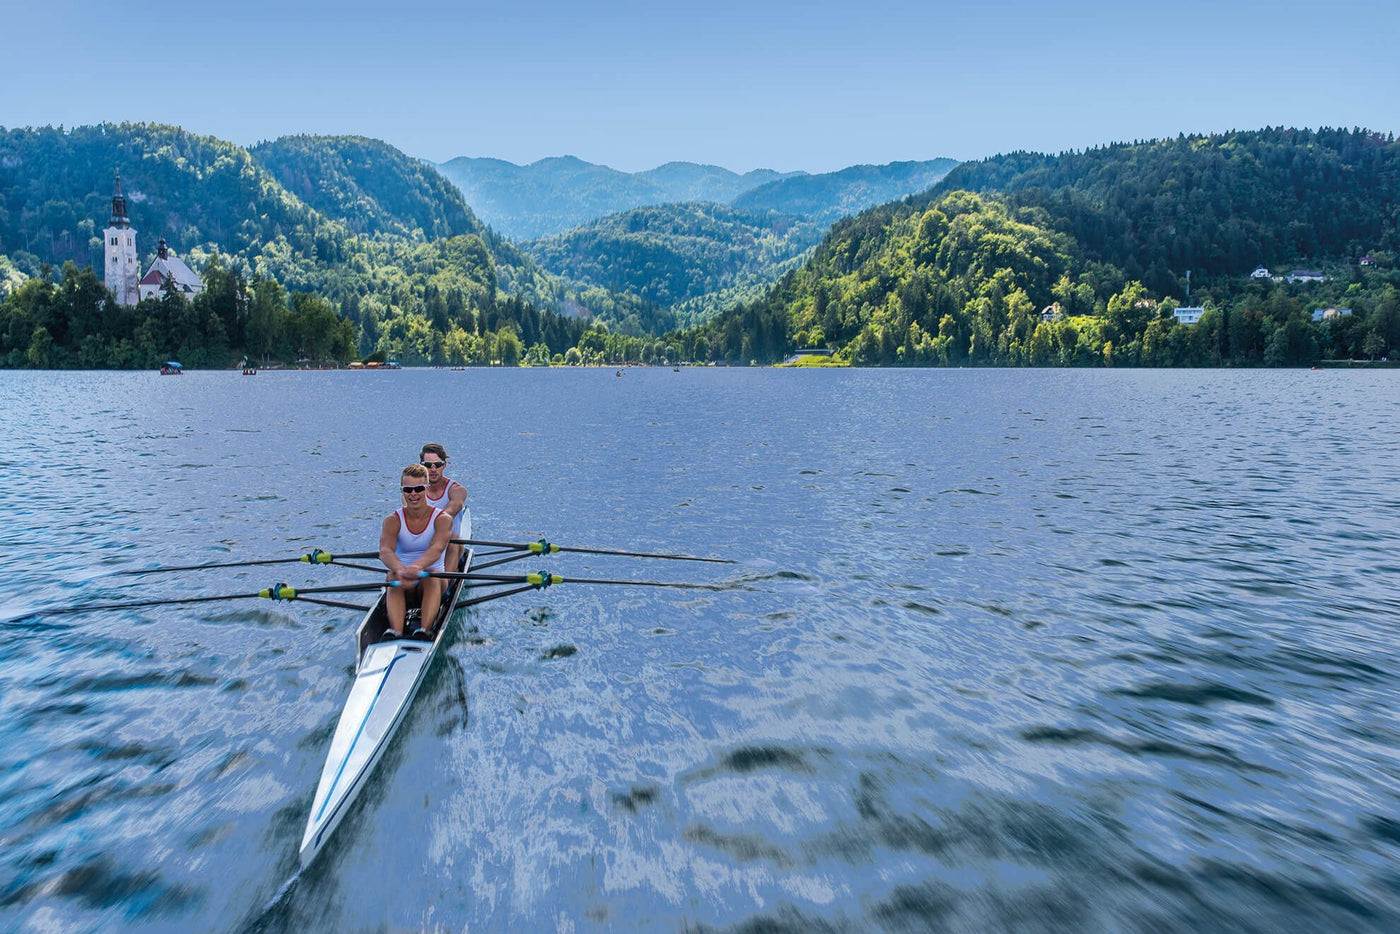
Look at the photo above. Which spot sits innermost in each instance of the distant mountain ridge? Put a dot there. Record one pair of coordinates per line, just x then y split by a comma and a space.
551, 196
832, 195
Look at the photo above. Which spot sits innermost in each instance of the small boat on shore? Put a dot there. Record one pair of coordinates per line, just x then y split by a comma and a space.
388, 675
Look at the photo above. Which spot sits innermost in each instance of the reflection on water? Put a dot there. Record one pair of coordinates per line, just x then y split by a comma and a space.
1006, 650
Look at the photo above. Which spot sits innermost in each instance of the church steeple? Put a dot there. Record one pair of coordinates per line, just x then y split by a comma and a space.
119, 266
119, 218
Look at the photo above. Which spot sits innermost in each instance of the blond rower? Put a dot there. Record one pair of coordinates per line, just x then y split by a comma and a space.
412, 540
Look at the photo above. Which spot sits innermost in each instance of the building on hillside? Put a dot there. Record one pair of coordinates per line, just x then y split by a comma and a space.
1188, 315
1368, 261
1327, 314
1306, 275
1051, 313
1260, 272
169, 268
121, 270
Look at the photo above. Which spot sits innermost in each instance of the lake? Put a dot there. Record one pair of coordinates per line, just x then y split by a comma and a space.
1055, 650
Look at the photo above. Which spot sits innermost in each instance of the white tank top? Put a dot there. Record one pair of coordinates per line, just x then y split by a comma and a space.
441, 503
410, 545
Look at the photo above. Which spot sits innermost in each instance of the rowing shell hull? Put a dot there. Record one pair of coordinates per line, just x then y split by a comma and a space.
387, 679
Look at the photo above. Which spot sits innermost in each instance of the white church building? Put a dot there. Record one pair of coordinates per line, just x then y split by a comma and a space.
121, 270
168, 267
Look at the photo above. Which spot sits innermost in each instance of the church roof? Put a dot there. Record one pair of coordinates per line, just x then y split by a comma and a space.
172, 267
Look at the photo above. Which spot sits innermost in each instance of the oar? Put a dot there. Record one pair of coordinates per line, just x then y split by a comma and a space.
315, 556
543, 580
336, 603
279, 592
543, 547
496, 596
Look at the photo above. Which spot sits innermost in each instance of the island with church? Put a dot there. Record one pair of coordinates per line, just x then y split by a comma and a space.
120, 268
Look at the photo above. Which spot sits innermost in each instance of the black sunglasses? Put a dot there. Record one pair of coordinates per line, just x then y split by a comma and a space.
414, 489
433, 465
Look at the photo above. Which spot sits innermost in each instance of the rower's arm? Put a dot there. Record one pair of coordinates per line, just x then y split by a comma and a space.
388, 539
456, 499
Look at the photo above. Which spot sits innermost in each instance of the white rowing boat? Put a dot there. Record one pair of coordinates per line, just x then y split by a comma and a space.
387, 678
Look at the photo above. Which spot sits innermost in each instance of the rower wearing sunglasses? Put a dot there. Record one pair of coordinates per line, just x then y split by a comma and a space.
447, 495
411, 541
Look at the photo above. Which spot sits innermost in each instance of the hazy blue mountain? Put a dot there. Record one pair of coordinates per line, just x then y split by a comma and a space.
552, 195
830, 195
687, 181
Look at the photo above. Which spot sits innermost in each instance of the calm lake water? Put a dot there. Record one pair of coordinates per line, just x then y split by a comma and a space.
1005, 650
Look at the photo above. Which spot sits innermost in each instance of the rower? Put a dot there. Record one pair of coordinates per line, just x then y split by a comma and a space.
412, 540
447, 495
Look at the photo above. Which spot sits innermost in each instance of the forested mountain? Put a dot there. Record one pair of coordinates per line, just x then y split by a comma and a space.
1217, 205
368, 185
694, 258
824, 198
56, 189
1077, 259
1081, 259
551, 195
405, 295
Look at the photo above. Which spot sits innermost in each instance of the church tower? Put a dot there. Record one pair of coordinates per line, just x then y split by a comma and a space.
120, 270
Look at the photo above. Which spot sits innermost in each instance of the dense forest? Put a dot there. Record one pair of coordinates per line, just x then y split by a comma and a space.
336, 248
389, 243
1082, 259
694, 259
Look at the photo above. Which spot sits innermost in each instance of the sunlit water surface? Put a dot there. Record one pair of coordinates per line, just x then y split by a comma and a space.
1004, 650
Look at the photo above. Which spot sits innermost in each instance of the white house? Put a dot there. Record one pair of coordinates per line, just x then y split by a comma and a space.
169, 267
1328, 314
1260, 273
1188, 315
1306, 275
1051, 313
120, 267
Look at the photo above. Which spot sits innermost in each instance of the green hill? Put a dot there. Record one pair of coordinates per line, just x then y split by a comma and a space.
368, 185
56, 189
1217, 205
694, 258
402, 293
1081, 258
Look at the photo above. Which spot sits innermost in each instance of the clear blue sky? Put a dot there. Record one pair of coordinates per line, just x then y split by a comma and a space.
816, 85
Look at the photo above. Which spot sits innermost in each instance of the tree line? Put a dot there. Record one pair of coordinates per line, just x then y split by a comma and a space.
1081, 259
